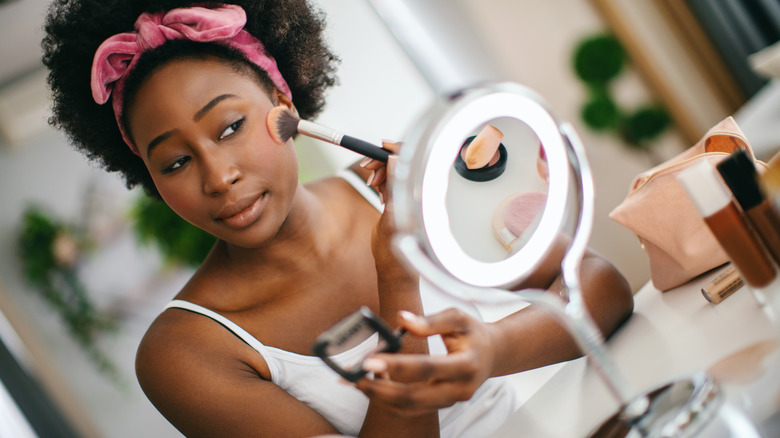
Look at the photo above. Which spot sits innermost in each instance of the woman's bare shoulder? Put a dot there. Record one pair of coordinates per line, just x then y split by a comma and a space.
178, 334
335, 189
199, 375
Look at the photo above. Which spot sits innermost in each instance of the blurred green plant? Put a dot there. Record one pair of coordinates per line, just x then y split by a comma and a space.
180, 242
598, 61
643, 125
49, 252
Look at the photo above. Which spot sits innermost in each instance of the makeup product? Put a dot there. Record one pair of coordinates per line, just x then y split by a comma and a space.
351, 332
770, 182
713, 201
483, 150
489, 145
722, 286
739, 173
517, 214
283, 124
541, 165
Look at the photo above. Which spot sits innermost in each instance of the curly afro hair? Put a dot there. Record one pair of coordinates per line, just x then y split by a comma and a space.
290, 30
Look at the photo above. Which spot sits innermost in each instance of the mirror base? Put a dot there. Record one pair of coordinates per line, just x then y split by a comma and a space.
680, 408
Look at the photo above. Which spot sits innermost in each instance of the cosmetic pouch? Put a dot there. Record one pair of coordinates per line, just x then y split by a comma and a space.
678, 243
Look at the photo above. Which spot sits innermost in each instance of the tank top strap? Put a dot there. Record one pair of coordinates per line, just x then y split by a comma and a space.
230, 325
358, 184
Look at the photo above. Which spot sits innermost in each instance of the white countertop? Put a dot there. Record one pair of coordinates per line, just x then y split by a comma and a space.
671, 335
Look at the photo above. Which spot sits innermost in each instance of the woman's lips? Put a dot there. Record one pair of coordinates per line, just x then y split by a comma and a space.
246, 215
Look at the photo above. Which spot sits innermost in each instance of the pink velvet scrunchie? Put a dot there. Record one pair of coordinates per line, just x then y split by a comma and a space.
118, 54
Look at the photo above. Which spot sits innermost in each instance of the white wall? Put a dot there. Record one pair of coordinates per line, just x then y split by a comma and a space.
380, 93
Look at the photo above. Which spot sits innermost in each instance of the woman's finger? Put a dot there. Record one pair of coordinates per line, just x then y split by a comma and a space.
448, 322
423, 368
379, 177
371, 164
415, 398
390, 145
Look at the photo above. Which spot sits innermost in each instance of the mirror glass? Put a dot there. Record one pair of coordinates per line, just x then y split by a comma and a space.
504, 211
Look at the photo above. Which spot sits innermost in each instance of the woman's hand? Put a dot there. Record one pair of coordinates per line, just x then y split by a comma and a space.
410, 384
379, 171
380, 179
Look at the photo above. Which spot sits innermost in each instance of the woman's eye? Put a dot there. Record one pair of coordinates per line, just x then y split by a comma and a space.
176, 165
232, 129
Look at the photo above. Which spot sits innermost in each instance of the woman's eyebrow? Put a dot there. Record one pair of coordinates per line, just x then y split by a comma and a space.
198, 115
212, 103
157, 140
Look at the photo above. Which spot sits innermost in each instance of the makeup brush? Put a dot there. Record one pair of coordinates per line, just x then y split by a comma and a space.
283, 124
484, 148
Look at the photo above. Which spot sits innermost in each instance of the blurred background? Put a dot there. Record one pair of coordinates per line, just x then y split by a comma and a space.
86, 265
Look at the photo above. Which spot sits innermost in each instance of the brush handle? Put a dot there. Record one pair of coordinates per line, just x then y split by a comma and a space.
332, 136
365, 148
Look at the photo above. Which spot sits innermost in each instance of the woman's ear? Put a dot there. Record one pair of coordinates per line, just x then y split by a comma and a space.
286, 101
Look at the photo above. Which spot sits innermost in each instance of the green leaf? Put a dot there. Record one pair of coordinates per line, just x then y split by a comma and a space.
601, 113
644, 125
599, 59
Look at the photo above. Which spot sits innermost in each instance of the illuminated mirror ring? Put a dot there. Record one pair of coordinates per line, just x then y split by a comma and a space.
443, 144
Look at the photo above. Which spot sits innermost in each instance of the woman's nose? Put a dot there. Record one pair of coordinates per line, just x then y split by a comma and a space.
219, 173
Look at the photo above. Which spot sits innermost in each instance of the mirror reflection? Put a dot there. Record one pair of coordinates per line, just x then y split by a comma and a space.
505, 210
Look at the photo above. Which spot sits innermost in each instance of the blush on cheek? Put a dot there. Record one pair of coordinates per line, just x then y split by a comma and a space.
184, 206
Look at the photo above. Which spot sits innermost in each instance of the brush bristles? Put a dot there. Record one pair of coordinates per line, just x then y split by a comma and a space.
282, 124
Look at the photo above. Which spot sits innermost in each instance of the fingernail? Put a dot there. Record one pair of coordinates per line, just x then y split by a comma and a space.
381, 198
409, 316
370, 179
375, 365
392, 160
364, 162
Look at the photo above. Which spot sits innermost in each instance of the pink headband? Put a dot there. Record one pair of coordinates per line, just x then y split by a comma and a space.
118, 54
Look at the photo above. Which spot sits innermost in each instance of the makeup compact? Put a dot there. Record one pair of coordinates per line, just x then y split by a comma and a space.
340, 346
490, 171
482, 157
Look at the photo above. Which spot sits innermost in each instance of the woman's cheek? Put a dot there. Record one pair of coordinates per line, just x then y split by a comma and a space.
183, 204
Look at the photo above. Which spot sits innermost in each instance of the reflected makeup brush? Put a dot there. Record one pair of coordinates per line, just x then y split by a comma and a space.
482, 157
483, 150
283, 124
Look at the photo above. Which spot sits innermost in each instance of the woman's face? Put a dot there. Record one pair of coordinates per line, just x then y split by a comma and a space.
200, 127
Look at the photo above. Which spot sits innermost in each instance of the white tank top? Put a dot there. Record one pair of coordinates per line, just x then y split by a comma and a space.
308, 379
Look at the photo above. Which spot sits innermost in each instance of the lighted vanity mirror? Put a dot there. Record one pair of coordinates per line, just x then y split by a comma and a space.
493, 232
445, 233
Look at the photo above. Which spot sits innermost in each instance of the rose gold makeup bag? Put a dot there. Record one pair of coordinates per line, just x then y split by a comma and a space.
678, 243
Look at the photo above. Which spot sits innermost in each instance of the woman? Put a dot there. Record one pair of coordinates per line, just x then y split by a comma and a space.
174, 95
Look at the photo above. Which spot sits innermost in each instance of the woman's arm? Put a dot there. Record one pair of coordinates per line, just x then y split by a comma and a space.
527, 339
398, 292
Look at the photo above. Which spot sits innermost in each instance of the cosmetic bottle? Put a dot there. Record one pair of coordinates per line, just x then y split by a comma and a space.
724, 219
723, 286
770, 182
739, 173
